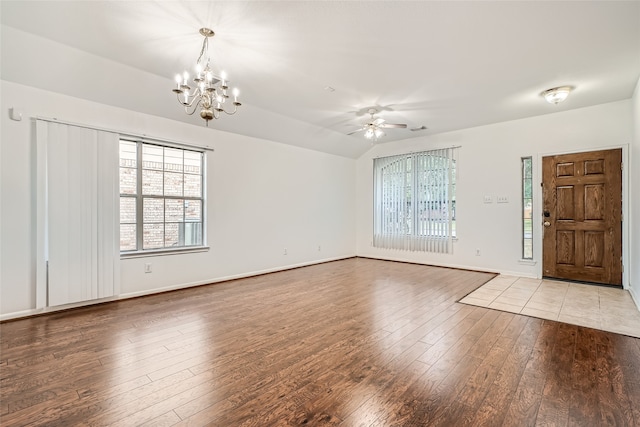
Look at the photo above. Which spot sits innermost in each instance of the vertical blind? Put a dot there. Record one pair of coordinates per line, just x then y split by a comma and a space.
414, 201
78, 213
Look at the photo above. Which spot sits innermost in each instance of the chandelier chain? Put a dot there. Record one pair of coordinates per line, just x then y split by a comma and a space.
205, 48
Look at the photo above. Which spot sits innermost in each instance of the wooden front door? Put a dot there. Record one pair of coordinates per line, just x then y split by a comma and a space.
582, 216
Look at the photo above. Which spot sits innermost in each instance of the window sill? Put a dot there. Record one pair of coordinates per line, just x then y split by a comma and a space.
527, 262
163, 252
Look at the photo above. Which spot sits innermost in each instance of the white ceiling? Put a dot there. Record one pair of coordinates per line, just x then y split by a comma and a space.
445, 65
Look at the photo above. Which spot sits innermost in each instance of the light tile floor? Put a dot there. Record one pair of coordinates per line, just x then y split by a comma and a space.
597, 307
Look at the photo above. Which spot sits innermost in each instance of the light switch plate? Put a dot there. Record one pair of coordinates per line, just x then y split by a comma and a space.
15, 114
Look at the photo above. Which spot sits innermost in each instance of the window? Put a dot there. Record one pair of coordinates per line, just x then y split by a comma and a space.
415, 202
527, 205
161, 197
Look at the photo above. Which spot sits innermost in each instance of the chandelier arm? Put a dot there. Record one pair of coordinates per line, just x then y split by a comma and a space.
195, 108
231, 113
189, 113
190, 103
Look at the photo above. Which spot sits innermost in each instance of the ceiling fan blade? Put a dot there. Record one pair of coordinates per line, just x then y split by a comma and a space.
355, 131
393, 125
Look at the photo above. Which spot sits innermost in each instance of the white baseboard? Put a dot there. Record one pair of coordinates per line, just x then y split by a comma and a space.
46, 310
231, 277
458, 266
635, 297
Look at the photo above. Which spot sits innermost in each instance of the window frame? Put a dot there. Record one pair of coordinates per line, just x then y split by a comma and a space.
414, 237
140, 197
524, 180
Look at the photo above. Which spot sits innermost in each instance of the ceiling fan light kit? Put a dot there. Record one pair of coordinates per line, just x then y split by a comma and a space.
210, 93
373, 128
374, 133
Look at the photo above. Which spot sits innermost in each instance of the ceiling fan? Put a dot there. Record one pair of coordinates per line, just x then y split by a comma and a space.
373, 128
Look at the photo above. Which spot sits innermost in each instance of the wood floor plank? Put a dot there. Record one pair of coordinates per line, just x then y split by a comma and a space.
583, 408
556, 395
167, 419
488, 358
496, 403
480, 368
633, 391
357, 342
381, 407
614, 400
528, 395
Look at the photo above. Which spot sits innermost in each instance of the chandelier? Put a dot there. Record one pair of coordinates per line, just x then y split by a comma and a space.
209, 94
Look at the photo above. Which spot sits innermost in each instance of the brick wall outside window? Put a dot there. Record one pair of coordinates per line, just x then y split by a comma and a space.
171, 198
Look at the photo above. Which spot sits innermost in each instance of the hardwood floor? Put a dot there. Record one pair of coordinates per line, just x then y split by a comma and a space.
357, 342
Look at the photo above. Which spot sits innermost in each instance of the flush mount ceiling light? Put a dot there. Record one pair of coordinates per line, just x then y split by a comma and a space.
557, 94
210, 92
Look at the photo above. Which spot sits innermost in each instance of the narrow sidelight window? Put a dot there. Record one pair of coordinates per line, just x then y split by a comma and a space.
527, 206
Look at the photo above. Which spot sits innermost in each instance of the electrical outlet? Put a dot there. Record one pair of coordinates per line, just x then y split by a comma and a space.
285, 251
147, 268
319, 248
477, 251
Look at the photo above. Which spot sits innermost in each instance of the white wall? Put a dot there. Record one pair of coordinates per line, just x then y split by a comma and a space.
73, 72
634, 187
262, 197
489, 164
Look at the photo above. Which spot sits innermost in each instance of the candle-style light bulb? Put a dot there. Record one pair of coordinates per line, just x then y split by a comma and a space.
223, 77
178, 80
186, 77
236, 92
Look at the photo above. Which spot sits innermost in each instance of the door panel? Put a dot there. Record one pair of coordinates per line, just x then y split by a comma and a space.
565, 247
582, 237
594, 202
565, 169
565, 203
594, 248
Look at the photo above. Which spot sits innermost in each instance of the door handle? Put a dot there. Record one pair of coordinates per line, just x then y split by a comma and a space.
546, 223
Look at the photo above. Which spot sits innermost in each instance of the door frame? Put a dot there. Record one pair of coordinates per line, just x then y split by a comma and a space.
538, 228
